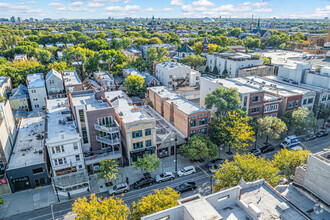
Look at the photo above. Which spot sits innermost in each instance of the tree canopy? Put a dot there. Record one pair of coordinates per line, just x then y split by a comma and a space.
135, 85
303, 121
108, 170
199, 147
148, 163
271, 127
193, 61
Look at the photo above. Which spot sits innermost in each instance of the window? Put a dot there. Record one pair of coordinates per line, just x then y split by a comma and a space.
203, 121
138, 145
290, 105
55, 162
77, 157
35, 99
147, 132
59, 149
273, 107
203, 131
33, 91
192, 133
310, 100
137, 134
255, 99
255, 110
53, 150
267, 108
324, 98
36, 106
297, 103
148, 143
83, 126
105, 120
38, 170
60, 161
305, 101
75, 146
328, 97
192, 123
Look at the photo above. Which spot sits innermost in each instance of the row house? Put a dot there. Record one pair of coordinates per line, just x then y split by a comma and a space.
150, 80
19, 100
174, 75
137, 128
105, 80
37, 91
95, 119
186, 116
231, 62
71, 81
54, 84
63, 144
5, 86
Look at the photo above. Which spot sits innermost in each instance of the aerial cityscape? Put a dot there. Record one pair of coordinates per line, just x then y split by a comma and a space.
164, 110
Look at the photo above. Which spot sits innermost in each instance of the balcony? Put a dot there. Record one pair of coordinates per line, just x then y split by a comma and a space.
107, 140
97, 156
107, 129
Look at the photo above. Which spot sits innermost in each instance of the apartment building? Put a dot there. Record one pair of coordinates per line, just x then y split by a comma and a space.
105, 80
232, 62
63, 144
8, 133
37, 91
174, 75
72, 81
186, 116
54, 84
28, 167
95, 118
19, 100
137, 128
5, 86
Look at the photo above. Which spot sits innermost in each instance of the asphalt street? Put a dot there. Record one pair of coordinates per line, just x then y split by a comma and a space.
201, 177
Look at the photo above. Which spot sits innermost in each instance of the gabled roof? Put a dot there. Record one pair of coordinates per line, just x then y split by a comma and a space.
259, 31
53, 72
20, 92
186, 49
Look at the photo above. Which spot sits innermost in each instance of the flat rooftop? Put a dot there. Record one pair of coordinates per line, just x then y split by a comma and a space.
29, 146
87, 98
115, 96
71, 78
103, 75
164, 92
233, 56
35, 80
186, 106
171, 65
59, 119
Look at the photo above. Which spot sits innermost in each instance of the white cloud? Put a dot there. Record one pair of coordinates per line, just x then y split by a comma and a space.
95, 5
20, 9
264, 10
150, 9
127, 8
76, 4
176, 2
203, 3
55, 4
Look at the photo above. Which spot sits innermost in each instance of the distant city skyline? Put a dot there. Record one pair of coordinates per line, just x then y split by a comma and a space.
98, 9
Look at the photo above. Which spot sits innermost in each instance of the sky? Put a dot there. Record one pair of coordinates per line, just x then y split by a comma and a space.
100, 9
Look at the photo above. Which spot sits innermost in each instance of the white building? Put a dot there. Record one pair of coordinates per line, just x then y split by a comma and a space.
173, 75
54, 84
231, 62
64, 149
37, 91
105, 80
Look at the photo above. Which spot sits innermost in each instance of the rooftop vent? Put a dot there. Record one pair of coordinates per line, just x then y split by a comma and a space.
283, 206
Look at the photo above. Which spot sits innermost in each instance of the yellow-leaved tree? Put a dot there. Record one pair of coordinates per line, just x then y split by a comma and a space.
95, 209
159, 200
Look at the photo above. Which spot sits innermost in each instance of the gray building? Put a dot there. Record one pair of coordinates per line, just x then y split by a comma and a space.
27, 166
54, 85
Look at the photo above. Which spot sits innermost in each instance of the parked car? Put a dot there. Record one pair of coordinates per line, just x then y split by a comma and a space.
267, 148
309, 137
328, 123
296, 148
120, 188
214, 162
164, 177
186, 171
147, 180
321, 134
184, 187
214, 168
255, 152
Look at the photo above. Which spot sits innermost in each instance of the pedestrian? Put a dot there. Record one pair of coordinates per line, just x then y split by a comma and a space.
127, 181
69, 196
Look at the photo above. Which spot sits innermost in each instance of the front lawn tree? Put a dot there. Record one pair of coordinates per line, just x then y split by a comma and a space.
193, 61
232, 130
224, 100
94, 208
199, 147
108, 170
148, 163
135, 85
161, 199
271, 127
303, 121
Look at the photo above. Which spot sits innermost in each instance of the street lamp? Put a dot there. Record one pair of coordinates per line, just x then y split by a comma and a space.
175, 153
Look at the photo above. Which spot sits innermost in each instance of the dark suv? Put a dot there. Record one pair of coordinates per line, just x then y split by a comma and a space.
147, 180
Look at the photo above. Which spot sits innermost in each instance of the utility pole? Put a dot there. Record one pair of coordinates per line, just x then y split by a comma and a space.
176, 155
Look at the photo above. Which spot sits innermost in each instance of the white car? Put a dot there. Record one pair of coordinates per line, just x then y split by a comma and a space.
296, 148
186, 171
164, 177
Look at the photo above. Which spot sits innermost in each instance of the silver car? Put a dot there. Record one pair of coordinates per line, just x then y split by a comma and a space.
120, 188
164, 177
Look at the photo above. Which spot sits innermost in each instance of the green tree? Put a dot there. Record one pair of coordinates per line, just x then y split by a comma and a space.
303, 121
2, 201
199, 147
232, 130
324, 113
148, 163
215, 71
248, 167
235, 32
154, 54
107, 208
288, 160
135, 85
224, 100
101, 35
252, 42
60, 66
161, 199
97, 44
193, 61
108, 170
271, 127
112, 58
44, 56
